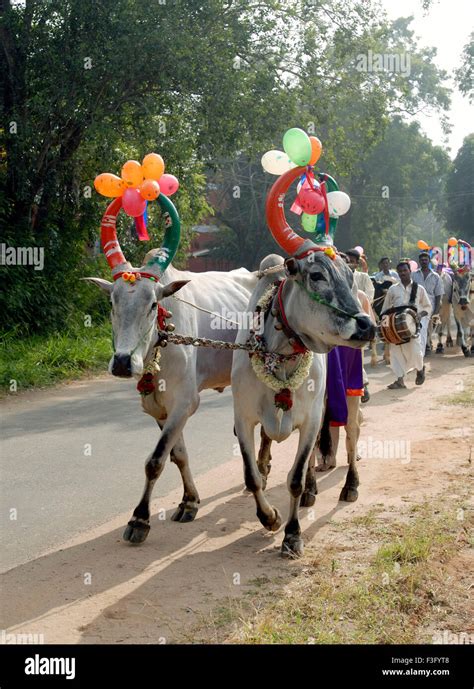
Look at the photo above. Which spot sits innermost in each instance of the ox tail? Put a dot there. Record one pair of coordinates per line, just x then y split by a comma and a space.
324, 441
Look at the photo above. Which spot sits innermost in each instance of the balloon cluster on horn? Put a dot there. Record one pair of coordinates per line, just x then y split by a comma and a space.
138, 184
318, 199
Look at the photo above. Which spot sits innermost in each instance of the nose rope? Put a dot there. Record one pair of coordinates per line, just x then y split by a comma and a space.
321, 300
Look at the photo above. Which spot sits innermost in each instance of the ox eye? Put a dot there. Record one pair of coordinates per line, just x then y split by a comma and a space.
317, 277
154, 305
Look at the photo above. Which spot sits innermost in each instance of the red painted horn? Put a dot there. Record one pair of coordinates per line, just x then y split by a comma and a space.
275, 212
108, 235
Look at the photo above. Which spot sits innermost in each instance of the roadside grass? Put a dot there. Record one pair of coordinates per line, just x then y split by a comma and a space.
388, 586
40, 361
464, 397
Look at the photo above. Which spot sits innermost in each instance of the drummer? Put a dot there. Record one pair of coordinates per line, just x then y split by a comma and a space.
405, 357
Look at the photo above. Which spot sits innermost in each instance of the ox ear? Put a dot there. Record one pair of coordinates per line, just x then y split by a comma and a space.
291, 266
173, 287
103, 284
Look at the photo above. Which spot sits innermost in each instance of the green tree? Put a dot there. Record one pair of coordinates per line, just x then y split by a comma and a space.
460, 193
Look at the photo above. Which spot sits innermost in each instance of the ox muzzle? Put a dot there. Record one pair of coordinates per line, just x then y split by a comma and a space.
122, 366
365, 329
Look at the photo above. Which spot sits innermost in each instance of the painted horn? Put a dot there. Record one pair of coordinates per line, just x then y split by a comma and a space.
111, 246
275, 212
162, 258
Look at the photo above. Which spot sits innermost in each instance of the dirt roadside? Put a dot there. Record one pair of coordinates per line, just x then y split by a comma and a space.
97, 589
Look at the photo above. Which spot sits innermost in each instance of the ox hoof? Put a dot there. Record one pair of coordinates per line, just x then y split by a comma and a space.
348, 494
136, 531
466, 351
184, 514
307, 499
270, 523
292, 547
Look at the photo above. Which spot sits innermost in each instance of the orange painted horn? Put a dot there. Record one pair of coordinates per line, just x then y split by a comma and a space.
275, 212
108, 235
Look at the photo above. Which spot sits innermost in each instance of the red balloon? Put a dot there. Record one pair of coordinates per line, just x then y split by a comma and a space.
133, 203
168, 184
311, 200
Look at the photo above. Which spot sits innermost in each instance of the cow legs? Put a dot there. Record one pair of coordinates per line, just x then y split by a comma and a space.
308, 497
293, 545
264, 456
349, 491
189, 505
138, 527
373, 353
268, 515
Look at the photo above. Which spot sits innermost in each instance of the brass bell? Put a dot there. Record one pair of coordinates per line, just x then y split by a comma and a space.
169, 314
170, 327
274, 312
278, 326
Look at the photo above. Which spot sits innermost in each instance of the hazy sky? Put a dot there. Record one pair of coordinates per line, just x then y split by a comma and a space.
446, 27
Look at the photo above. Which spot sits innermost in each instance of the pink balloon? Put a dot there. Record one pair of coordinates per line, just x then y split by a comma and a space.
133, 203
413, 266
168, 184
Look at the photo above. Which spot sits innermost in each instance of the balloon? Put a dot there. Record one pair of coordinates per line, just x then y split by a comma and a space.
132, 202
149, 189
316, 149
276, 162
423, 246
311, 200
452, 241
168, 184
338, 203
132, 173
309, 222
109, 185
413, 266
297, 146
153, 166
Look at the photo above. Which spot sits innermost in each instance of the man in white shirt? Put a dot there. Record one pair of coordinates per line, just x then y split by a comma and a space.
405, 357
385, 272
362, 280
433, 284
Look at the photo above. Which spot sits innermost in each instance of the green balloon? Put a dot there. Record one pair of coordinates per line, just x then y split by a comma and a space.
297, 146
309, 222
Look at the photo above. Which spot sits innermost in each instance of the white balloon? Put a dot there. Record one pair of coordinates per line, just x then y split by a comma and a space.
338, 203
276, 162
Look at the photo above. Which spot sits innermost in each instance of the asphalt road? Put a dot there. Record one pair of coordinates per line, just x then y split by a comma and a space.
73, 457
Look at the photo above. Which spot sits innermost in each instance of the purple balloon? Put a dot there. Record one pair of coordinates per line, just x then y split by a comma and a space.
133, 203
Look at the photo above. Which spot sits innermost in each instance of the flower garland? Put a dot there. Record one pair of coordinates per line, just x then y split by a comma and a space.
283, 388
146, 384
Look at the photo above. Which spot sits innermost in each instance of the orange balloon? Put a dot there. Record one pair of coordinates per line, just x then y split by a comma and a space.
452, 241
150, 189
316, 149
109, 185
422, 245
132, 174
153, 166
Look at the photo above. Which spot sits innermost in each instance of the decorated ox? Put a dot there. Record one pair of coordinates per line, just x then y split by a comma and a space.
463, 307
170, 387
445, 312
381, 289
311, 310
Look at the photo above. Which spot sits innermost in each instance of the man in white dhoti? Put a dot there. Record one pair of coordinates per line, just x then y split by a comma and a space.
405, 357
433, 285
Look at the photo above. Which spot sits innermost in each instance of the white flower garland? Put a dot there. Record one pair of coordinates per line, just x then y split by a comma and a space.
292, 383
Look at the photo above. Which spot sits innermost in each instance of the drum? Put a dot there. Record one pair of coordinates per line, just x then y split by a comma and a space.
398, 325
